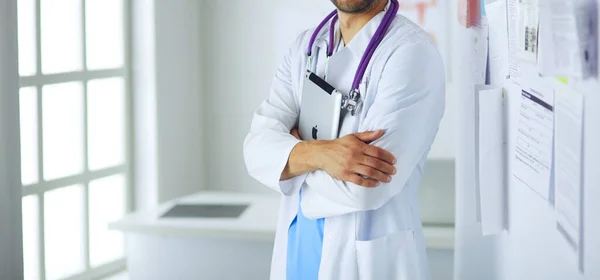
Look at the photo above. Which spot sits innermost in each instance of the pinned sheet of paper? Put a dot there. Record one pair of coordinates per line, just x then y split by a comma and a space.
564, 47
513, 19
527, 32
498, 42
491, 159
568, 170
478, 61
534, 138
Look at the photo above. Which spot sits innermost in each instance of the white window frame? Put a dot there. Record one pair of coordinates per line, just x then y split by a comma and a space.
84, 178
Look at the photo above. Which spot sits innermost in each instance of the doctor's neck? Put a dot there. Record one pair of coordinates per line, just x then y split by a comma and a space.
355, 14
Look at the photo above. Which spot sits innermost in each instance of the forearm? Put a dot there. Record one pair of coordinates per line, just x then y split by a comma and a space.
303, 159
327, 196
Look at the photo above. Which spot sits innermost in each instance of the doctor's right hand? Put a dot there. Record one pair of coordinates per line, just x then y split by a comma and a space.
352, 159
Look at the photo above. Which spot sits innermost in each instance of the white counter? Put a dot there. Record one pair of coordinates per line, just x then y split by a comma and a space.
258, 222
202, 248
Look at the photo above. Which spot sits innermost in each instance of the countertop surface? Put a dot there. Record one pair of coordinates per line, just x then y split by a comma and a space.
257, 222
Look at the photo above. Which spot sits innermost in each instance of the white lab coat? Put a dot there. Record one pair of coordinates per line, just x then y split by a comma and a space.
370, 234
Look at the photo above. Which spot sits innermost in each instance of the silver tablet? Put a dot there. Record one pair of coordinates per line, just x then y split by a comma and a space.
320, 109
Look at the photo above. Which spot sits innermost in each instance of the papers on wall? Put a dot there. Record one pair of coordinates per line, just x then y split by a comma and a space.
594, 38
564, 33
534, 139
498, 42
478, 61
568, 166
527, 30
490, 158
513, 19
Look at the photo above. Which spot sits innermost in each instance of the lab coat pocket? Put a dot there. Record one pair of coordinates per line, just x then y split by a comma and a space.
391, 257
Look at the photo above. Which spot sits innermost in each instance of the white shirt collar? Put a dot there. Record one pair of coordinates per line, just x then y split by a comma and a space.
359, 43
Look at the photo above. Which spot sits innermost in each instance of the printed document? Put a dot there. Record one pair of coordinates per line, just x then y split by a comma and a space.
568, 165
527, 32
563, 39
498, 41
513, 19
534, 139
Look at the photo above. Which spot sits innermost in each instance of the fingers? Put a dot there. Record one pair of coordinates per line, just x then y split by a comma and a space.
372, 173
378, 164
379, 153
369, 136
361, 181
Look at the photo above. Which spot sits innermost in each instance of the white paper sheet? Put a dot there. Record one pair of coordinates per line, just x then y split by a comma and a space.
534, 139
527, 31
477, 89
491, 160
478, 61
563, 44
513, 19
498, 42
568, 166
546, 51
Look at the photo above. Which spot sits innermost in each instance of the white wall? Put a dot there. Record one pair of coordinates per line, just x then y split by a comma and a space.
178, 87
144, 104
242, 53
476, 257
531, 246
534, 249
243, 44
169, 135
11, 264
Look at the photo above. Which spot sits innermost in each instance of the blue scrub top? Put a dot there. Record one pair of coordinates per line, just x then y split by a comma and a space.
305, 244
482, 8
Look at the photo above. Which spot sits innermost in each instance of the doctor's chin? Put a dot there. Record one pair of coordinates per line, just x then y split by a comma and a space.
299, 140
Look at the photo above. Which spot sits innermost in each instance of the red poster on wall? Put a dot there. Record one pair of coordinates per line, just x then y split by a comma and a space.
469, 12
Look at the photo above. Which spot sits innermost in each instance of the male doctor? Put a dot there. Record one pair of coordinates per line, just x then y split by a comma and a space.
349, 206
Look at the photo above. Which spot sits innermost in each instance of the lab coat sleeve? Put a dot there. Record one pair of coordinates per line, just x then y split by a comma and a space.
269, 142
409, 105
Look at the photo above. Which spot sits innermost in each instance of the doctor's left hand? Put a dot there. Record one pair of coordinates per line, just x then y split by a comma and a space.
349, 159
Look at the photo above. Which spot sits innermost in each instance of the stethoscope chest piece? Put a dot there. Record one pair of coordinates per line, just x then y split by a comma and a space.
351, 102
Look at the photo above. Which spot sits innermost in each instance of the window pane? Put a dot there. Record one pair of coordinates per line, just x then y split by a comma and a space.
29, 135
64, 231
62, 111
27, 43
104, 34
31, 252
107, 204
105, 123
61, 36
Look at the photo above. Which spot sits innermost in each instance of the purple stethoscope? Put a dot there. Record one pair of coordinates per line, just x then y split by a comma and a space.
352, 101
